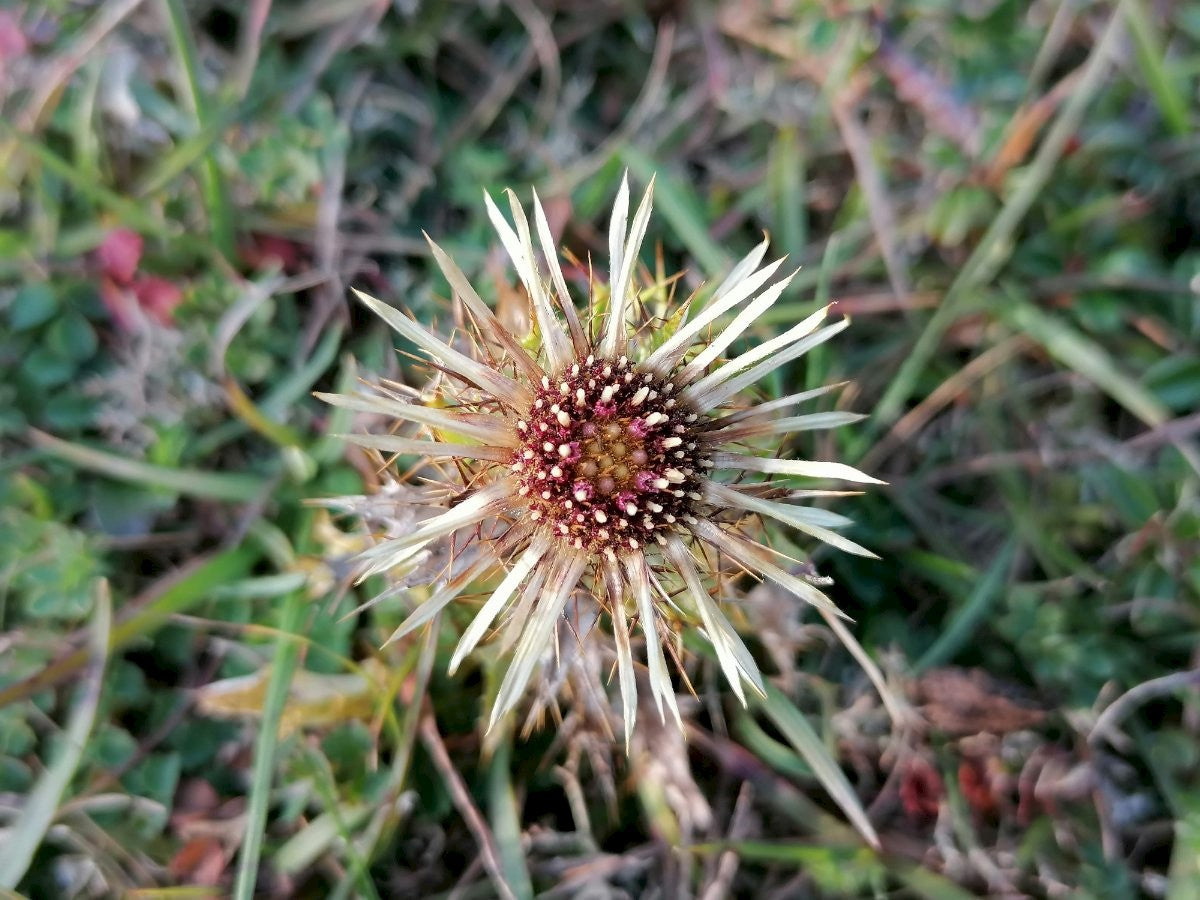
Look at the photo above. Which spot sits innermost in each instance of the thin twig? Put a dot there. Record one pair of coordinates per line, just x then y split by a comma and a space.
249, 44
1119, 709
461, 797
727, 863
879, 203
1171, 432
108, 17
541, 38
954, 386
647, 101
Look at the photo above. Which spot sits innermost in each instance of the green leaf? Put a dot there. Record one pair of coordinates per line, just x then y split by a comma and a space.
47, 369
156, 777
71, 336
32, 305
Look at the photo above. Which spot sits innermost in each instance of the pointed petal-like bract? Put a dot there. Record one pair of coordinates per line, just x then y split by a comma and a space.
617, 225
578, 338
616, 605
474, 509
672, 350
489, 325
425, 613
661, 688
390, 443
791, 425
536, 636
783, 512
460, 364
765, 409
440, 419
612, 344
736, 661
753, 311
498, 600
805, 468
755, 558
520, 251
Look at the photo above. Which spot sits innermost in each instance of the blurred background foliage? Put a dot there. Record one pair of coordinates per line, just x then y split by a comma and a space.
1004, 195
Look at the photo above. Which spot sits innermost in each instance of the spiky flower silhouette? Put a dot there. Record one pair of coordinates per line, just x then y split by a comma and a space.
609, 454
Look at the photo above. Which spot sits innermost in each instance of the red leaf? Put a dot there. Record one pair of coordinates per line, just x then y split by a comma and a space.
119, 255
921, 789
157, 297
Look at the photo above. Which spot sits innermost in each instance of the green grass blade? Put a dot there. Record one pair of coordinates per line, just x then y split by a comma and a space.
128, 212
682, 210
287, 654
996, 245
228, 486
971, 615
1076, 351
307, 845
505, 818
787, 174
1150, 55
26, 834
1184, 874
220, 219
791, 722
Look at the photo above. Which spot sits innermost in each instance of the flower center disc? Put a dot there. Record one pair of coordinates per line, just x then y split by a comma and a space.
609, 456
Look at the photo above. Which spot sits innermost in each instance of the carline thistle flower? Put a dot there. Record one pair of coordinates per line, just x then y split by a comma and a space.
610, 460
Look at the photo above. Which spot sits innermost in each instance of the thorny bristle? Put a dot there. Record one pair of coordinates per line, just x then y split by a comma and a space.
599, 467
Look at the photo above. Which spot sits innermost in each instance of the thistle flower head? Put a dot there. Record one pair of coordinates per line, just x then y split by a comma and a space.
613, 460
